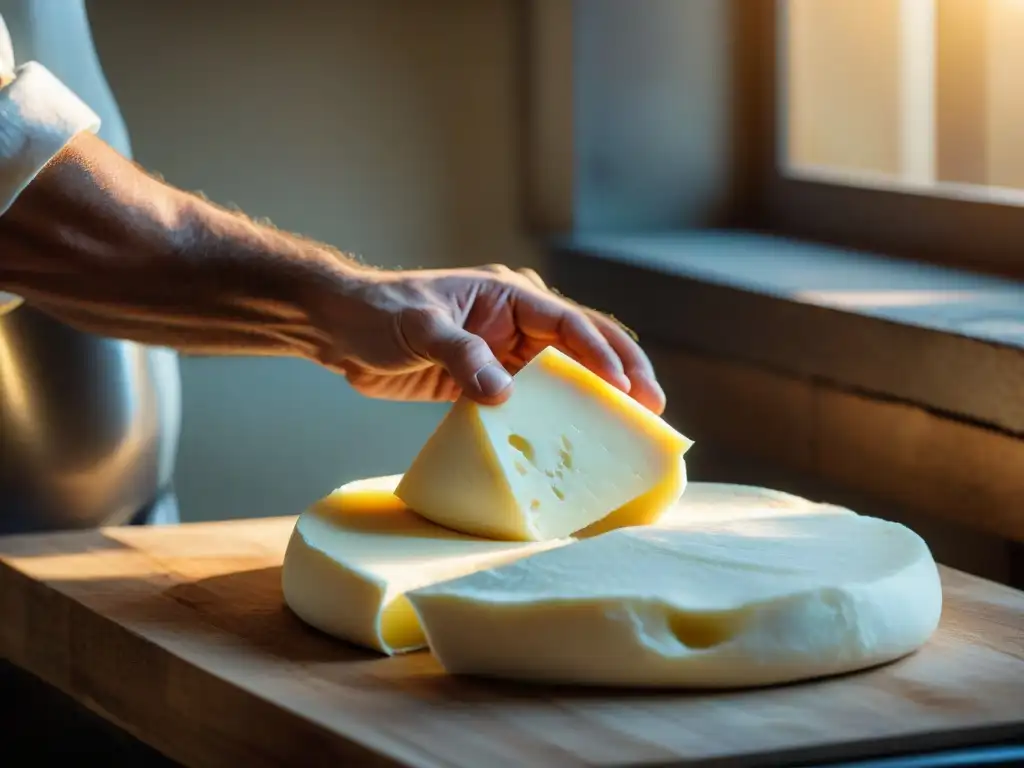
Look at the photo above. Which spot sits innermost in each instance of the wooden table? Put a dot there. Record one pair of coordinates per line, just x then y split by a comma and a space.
180, 636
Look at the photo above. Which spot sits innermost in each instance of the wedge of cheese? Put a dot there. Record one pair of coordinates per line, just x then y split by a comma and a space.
564, 451
645, 509
730, 604
353, 556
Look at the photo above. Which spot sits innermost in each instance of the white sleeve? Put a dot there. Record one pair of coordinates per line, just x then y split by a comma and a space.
39, 115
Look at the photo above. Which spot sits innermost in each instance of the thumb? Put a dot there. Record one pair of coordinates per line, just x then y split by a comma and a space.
467, 357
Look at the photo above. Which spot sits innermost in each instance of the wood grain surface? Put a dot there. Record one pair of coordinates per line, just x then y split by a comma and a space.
180, 636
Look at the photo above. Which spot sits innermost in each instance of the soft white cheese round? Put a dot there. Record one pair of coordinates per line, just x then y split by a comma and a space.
717, 502
354, 554
732, 603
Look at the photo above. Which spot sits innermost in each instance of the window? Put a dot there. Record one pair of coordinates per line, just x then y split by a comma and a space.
919, 95
897, 125
894, 126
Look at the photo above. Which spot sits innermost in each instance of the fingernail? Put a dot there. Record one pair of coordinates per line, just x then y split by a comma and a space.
493, 379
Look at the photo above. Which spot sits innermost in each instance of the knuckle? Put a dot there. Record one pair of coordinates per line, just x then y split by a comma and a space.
466, 344
496, 269
423, 318
532, 276
462, 354
417, 327
579, 323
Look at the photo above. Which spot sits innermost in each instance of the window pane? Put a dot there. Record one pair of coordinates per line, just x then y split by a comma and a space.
915, 94
1005, 93
844, 72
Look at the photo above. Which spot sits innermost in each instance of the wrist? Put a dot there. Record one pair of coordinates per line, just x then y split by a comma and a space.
295, 289
339, 297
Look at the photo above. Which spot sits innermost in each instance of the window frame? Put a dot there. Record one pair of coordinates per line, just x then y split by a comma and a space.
977, 235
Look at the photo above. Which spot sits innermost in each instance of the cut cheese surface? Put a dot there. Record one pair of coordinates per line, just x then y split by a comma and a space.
645, 509
720, 502
354, 554
733, 603
666, 505
564, 451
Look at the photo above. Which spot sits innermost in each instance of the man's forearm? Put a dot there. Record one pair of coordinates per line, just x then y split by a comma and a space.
100, 244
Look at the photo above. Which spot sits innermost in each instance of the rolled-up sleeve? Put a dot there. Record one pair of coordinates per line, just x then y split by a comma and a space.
39, 115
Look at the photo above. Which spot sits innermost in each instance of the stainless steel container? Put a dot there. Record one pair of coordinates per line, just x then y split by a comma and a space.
88, 426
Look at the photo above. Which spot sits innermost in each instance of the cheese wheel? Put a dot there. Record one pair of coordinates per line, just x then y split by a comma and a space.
732, 603
353, 556
716, 502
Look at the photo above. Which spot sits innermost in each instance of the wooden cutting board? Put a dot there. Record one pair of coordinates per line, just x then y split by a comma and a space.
180, 636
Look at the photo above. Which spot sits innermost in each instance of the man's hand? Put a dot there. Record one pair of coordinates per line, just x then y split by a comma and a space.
101, 245
432, 335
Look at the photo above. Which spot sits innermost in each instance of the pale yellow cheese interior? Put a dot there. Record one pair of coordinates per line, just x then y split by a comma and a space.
645, 509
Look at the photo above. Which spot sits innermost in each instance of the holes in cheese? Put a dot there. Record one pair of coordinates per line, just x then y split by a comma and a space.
564, 451
700, 631
353, 556
727, 603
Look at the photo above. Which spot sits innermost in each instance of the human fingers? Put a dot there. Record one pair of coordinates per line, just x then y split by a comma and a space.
544, 316
644, 386
432, 334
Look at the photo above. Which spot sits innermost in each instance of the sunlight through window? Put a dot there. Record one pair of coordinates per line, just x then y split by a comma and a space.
917, 95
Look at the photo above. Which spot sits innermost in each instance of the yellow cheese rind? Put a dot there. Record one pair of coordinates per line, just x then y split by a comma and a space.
562, 453
353, 555
589, 385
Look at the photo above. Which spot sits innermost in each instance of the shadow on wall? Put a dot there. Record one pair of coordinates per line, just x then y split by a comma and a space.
388, 129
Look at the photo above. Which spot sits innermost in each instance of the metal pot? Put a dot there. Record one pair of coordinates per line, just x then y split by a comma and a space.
88, 426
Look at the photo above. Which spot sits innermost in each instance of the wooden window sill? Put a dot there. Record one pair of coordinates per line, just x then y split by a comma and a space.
870, 380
